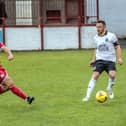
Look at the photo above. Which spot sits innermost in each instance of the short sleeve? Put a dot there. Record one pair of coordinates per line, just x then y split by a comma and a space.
114, 38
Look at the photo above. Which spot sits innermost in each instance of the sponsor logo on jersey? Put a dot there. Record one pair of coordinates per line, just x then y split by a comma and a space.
103, 47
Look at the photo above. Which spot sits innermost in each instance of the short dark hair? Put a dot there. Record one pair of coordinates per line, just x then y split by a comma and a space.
101, 21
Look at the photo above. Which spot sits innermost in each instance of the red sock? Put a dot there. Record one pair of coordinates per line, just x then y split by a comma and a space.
2, 90
17, 91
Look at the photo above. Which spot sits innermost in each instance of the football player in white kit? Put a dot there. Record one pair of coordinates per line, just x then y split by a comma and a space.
106, 54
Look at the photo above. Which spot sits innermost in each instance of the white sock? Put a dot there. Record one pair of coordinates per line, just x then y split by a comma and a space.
90, 87
111, 82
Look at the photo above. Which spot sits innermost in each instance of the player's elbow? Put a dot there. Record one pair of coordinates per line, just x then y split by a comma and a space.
118, 47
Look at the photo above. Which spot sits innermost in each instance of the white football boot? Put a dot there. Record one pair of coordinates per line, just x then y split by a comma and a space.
85, 99
110, 93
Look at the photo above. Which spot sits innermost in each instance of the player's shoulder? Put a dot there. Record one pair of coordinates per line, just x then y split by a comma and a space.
111, 34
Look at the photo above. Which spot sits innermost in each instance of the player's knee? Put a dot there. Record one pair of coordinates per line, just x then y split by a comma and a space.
8, 81
112, 75
95, 76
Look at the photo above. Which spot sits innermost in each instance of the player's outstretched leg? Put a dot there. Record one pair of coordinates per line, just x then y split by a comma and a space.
91, 86
17, 91
89, 90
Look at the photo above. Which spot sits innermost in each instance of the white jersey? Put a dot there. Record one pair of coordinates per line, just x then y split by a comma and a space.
105, 49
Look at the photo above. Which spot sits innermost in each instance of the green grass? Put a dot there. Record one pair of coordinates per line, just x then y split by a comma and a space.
58, 80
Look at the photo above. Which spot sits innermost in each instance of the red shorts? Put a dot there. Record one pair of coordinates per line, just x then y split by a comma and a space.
3, 74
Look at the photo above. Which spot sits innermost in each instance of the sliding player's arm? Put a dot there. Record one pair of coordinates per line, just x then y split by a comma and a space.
93, 58
8, 52
119, 55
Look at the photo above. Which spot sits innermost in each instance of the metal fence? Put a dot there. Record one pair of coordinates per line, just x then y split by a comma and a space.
61, 12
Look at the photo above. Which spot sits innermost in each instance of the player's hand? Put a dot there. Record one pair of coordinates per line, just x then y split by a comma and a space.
120, 61
10, 57
92, 63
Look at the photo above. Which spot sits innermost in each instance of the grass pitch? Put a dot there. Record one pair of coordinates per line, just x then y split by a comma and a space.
58, 80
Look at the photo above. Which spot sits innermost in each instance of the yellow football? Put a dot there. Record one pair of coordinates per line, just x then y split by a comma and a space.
101, 96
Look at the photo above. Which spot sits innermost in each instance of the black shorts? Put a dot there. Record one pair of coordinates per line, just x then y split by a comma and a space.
102, 65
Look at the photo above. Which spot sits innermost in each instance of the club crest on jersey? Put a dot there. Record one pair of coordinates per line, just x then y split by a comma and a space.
106, 39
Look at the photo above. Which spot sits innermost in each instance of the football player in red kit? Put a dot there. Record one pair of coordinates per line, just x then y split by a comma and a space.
6, 83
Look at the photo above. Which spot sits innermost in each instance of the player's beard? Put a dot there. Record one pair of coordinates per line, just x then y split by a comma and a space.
101, 32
